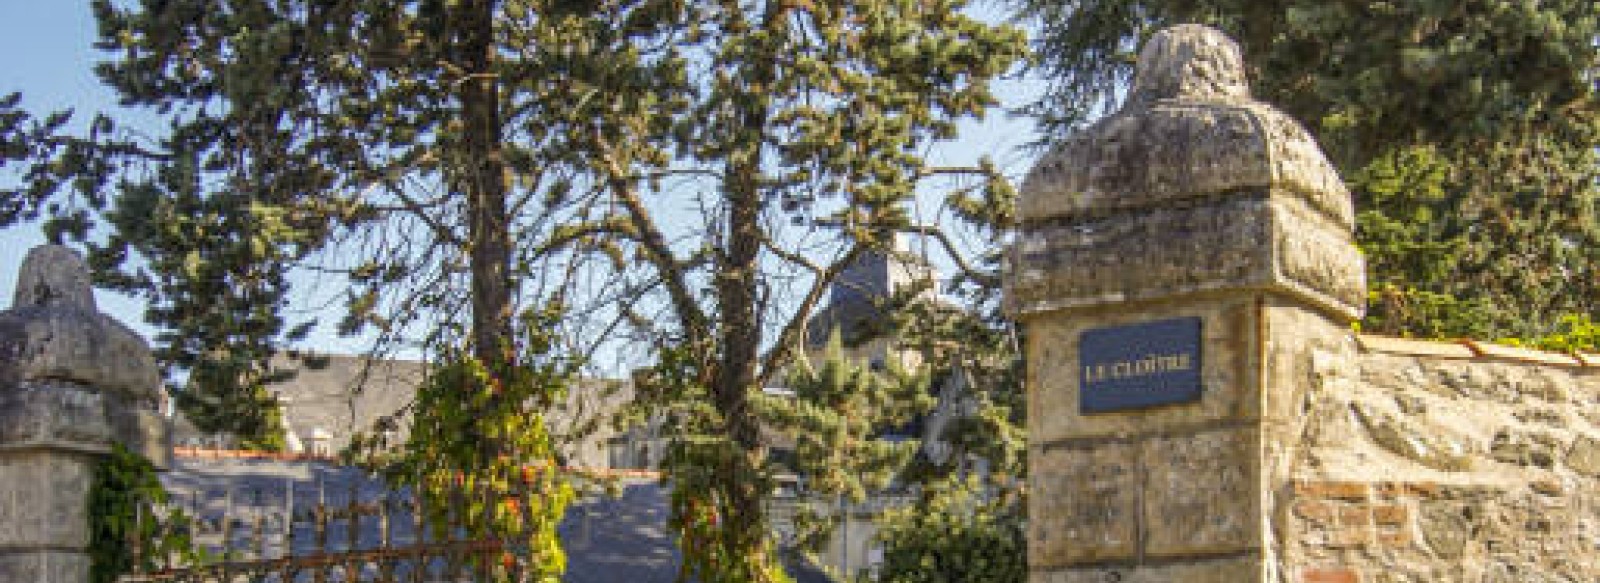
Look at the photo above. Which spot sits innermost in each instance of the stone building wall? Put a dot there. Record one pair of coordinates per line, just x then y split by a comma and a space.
1446, 462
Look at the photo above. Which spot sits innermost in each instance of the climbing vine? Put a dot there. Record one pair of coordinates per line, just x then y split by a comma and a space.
123, 506
479, 443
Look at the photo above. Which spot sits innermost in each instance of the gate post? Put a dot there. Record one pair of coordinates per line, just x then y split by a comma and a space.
72, 382
1179, 266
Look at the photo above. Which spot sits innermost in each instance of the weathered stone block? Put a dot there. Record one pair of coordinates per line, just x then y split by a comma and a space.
143, 431
1525, 448
54, 414
1190, 187
1584, 455
44, 567
1410, 347
53, 331
1083, 505
1242, 242
1416, 438
1243, 569
1303, 350
1228, 333
1447, 527
1202, 493
44, 500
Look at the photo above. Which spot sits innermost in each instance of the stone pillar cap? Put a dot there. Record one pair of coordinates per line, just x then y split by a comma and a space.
1188, 130
1192, 187
53, 331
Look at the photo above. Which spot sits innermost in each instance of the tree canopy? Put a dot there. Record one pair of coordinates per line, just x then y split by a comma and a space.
683, 178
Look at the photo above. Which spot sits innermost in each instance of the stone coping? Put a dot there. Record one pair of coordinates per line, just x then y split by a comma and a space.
196, 453
217, 454
1472, 349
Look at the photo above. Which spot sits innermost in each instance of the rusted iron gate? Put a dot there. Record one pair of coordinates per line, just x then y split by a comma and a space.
388, 538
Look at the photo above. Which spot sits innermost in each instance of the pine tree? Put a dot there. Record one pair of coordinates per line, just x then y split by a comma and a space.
658, 168
742, 154
1465, 129
294, 125
385, 142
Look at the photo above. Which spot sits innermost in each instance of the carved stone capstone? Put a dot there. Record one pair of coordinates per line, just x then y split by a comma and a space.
54, 332
1193, 186
1189, 61
72, 378
53, 276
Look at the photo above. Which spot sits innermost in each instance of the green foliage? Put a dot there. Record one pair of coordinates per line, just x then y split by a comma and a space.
809, 114
272, 436
482, 431
966, 524
217, 293
842, 417
1466, 131
1418, 313
122, 513
958, 532
1572, 334
838, 415
702, 504
426, 151
60, 175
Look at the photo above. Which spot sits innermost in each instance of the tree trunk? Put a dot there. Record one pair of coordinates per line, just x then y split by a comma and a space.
484, 181
739, 341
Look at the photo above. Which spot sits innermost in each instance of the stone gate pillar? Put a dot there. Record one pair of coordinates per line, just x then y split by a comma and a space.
1180, 265
72, 382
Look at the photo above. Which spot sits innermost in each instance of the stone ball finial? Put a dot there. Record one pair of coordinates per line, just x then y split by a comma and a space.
53, 276
1189, 61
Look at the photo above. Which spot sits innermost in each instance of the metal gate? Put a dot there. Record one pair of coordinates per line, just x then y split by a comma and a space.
380, 537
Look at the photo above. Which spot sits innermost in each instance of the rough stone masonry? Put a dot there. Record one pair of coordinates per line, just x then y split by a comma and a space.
72, 382
1199, 224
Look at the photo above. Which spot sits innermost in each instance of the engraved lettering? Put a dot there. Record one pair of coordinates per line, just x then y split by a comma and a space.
1153, 364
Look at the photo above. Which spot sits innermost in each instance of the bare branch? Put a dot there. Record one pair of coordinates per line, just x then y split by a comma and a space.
420, 211
952, 171
982, 277
569, 234
695, 322
783, 350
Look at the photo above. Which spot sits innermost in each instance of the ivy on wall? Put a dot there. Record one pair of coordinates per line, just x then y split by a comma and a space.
122, 514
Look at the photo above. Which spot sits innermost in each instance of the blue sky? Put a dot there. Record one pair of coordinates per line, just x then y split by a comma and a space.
50, 60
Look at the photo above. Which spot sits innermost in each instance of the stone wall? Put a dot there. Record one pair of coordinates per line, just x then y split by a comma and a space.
1446, 462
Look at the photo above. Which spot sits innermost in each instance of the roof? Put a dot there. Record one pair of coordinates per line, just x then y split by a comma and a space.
349, 394
344, 394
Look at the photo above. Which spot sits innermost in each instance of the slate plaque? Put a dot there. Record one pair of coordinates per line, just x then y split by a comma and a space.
1139, 365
